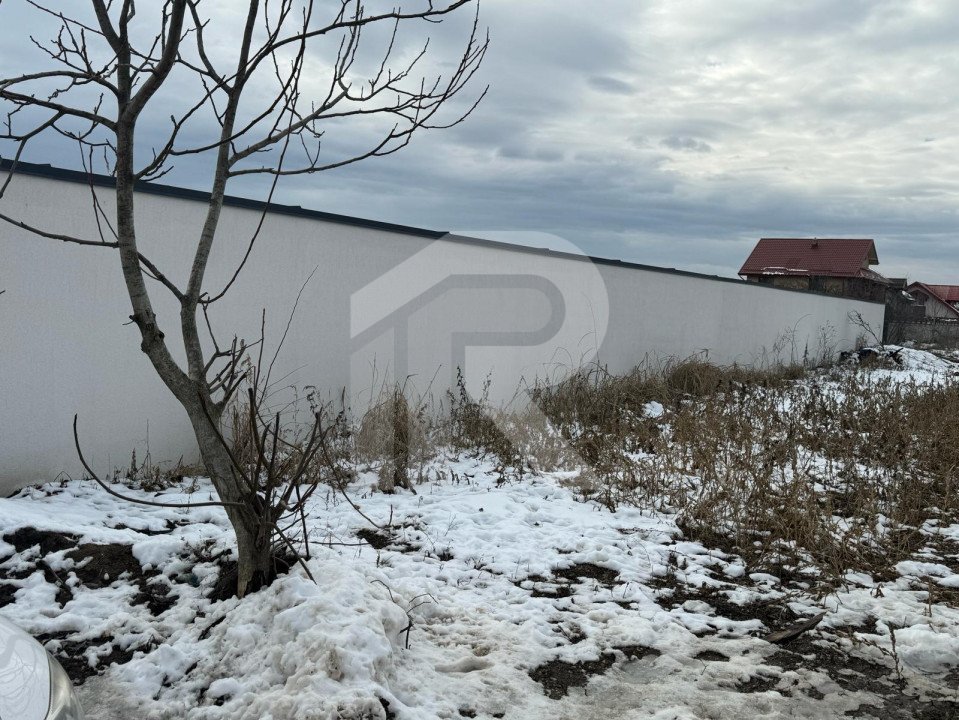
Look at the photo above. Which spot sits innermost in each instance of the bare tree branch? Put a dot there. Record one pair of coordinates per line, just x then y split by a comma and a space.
259, 95
127, 498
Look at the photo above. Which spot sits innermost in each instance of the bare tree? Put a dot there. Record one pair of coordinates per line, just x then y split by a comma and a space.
259, 106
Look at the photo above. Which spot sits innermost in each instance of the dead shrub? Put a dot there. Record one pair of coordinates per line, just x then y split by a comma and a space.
334, 466
697, 378
474, 425
395, 433
836, 471
593, 408
154, 477
533, 440
840, 473
605, 418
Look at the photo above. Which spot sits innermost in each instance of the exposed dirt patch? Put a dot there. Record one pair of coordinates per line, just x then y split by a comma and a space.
638, 652
589, 571
558, 676
95, 565
791, 574
945, 550
100, 565
711, 656
907, 708
225, 587
849, 671
170, 526
773, 613
383, 539
71, 654
540, 587
709, 537
757, 684
561, 586
20, 573
939, 594
376, 538
156, 597
64, 593
571, 631
854, 673
50, 541
552, 591
390, 713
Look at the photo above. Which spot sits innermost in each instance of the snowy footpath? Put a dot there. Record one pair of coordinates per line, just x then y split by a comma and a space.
487, 599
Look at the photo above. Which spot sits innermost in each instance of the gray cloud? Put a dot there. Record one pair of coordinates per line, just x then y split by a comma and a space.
521, 151
677, 133
677, 142
611, 85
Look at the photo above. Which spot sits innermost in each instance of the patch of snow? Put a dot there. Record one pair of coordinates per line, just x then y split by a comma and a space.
927, 648
922, 569
653, 409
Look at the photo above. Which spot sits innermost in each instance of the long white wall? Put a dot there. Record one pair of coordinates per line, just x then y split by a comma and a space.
381, 305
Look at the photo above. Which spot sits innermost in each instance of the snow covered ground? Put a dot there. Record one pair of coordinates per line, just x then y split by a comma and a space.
488, 599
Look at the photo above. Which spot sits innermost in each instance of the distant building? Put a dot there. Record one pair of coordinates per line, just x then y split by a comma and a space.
902, 313
901, 305
837, 266
940, 302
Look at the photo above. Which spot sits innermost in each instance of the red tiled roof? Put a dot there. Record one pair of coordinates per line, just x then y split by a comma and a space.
949, 293
836, 257
942, 293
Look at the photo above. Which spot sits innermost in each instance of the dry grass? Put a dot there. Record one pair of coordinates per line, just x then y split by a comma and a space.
834, 469
838, 470
598, 412
839, 473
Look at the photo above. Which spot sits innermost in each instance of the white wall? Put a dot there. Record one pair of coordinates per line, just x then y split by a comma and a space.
380, 304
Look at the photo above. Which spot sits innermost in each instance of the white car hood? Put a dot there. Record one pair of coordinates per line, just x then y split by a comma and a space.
24, 675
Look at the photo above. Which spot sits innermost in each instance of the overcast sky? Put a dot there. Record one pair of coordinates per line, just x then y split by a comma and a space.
677, 132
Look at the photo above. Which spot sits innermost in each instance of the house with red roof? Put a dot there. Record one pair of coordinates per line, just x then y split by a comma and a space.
838, 266
941, 302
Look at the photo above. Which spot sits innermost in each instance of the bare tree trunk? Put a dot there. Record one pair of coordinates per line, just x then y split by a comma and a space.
190, 388
253, 537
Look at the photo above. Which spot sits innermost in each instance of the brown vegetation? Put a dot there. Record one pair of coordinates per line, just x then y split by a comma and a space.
839, 471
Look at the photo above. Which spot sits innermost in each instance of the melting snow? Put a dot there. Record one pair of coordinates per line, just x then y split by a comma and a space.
482, 582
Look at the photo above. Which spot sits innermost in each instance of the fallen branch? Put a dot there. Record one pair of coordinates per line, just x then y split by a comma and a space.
794, 631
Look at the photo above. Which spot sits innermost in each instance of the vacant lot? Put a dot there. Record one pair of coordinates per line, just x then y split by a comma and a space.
625, 552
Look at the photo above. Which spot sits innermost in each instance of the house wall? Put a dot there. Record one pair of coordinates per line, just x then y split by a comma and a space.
833, 286
901, 312
375, 305
793, 282
934, 308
